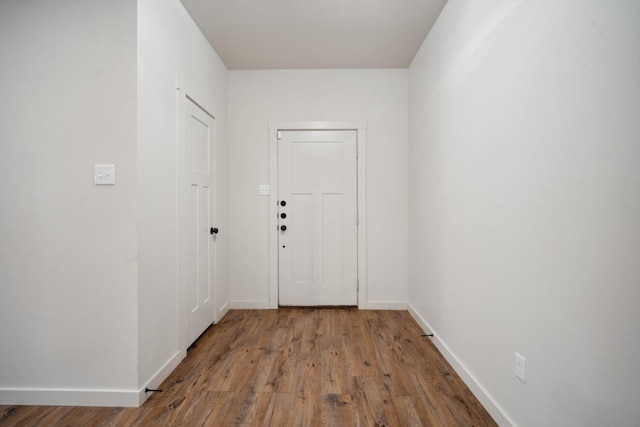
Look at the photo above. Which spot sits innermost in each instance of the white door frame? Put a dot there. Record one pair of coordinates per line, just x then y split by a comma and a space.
361, 129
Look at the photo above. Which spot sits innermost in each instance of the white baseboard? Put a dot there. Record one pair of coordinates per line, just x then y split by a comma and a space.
249, 305
498, 414
384, 305
369, 305
89, 397
160, 375
69, 397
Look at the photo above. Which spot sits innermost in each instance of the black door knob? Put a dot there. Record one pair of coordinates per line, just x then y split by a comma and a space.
283, 215
283, 203
283, 227
214, 230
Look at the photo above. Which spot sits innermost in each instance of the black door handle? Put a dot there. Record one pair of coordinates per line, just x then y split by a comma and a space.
283, 203
283, 215
283, 227
214, 230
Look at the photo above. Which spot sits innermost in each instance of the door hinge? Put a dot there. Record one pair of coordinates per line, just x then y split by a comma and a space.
279, 135
357, 218
357, 284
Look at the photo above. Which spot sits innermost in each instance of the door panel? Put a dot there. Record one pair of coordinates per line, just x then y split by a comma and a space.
333, 250
301, 216
197, 252
204, 251
317, 179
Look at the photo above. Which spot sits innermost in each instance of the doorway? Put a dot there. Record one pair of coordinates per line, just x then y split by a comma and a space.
318, 218
318, 214
197, 231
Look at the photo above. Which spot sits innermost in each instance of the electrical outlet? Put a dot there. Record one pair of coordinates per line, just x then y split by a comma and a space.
520, 367
263, 190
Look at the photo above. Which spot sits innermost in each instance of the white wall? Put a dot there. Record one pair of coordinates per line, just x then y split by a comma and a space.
89, 295
68, 248
525, 203
170, 45
378, 97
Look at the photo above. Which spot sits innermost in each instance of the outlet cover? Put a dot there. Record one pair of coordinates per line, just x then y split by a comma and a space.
520, 367
263, 190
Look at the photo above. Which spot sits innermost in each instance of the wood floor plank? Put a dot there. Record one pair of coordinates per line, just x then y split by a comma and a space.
335, 370
294, 367
308, 376
265, 381
281, 378
394, 363
432, 400
378, 400
237, 370
360, 352
407, 411
195, 411
278, 411
313, 330
240, 409
338, 410
220, 403
135, 417
364, 413
308, 388
24, 415
56, 416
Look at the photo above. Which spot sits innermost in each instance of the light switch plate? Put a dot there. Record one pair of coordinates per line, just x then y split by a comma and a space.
263, 190
105, 174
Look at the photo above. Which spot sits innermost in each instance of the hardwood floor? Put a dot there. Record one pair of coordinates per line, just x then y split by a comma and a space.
295, 367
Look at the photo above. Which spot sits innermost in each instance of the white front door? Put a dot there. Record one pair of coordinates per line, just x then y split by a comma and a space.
197, 197
318, 234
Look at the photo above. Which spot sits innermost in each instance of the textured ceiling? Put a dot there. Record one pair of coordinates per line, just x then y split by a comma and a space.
290, 34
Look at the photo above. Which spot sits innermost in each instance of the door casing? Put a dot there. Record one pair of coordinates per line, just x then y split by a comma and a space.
361, 129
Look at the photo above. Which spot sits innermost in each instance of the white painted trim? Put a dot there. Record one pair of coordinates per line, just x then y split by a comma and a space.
384, 305
223, 310
273, 215
250, 305
317, 125
160, 375
362, 216
494, 409
180, 137
69, 397
361, 129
